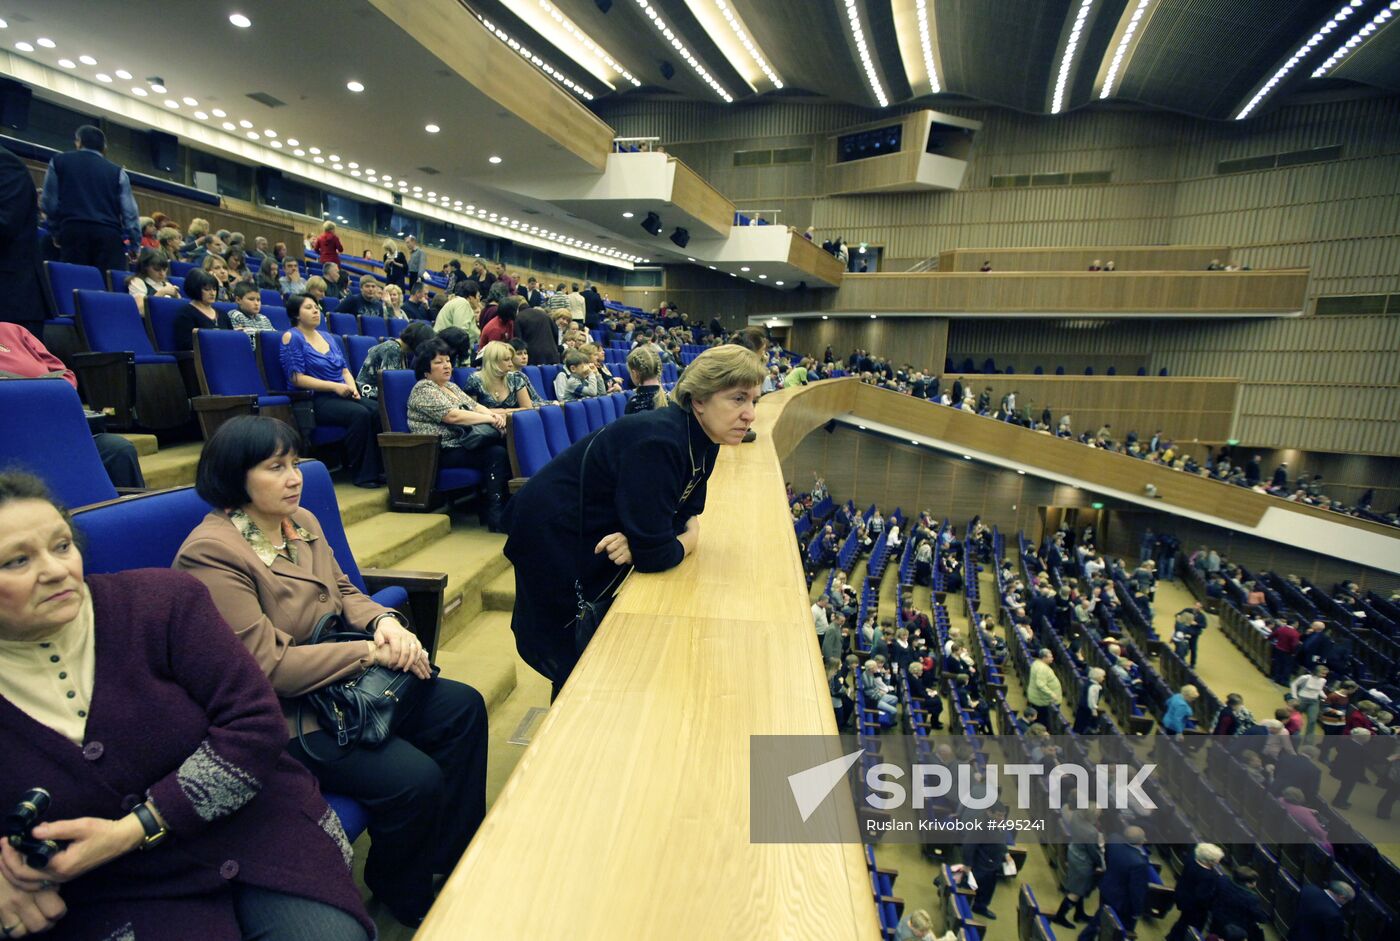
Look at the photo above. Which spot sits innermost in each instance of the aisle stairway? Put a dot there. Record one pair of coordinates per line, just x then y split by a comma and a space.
476, 645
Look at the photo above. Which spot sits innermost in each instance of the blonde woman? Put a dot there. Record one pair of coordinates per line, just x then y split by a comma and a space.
644, 367
395, 264
327, 245
498, 385
393, 303
217, 267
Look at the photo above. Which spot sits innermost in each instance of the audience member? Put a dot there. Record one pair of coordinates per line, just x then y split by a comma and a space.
391, 354
327, 245
199, 313
396, 265
1195, 891
88, 204
149, 280
498, 385
644, 368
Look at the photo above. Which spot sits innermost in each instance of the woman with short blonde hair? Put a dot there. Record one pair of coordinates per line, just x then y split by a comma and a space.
395, 264
498, 385
716, 370
393, 302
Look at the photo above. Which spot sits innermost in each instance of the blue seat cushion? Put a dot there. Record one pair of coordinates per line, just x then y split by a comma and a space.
353, 815
327, 434
60, 321
272, 401
395, 596
148, 358
457, 478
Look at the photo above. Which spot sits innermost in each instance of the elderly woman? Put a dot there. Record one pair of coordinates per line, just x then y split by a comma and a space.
647, 520
391, 354
395, 264
316, 363
206, 828
1090, 707
273, 577
498, 385
471, 434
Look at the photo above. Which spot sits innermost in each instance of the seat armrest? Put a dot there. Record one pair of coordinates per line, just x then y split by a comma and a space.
425, 597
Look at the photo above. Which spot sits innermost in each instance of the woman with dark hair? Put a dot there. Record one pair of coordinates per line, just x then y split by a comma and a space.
459, 343
501, 328
221, 834
471, 434
391, 354
273, 577
199, 314
315, 362
152, 269
238, 267
646, 519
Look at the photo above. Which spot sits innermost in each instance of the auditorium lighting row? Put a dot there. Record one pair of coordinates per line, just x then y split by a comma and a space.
535, 60
750, 47
926, 43
685, 53
1303, 52
1121, 51
1076, 32
583, 39
1361, 36
858, 35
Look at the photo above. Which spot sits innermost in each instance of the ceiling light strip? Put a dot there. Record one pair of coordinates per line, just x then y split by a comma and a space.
1121, 52
1362, 35
570, 27
1076, 32
1345, 11
536, 61
863, 49
675, 40
921, 9
732, 18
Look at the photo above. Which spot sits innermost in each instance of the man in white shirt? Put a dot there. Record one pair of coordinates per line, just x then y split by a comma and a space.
578, 307
819, 616
1309, 689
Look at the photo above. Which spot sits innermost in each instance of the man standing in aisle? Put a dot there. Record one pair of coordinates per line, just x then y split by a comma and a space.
417, 259
1043, 691
89, 206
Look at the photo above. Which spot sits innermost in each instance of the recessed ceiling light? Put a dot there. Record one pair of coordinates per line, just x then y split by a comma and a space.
626, 215
254, 135
354, 172
171, 103
778, 283
299, 152
418, 189
103, 77
319, 159
334, 158
4, 25
24, 47
337, 166
190, 101
87, 60
245, 124
123, 74
825, 317
763, 276
353, 165
203, 116
872, 316
230, 126
493, 159
45, 42
219, 113
314, 150
1021, 472
713, 268
239, 20
355, 86
138, 91
431, 128
158, 88
293, 142
68, 63
275, 145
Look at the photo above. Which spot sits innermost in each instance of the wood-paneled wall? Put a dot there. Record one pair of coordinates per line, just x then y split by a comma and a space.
694, 194
922, 342
1125, 258
898, 170
1186, 410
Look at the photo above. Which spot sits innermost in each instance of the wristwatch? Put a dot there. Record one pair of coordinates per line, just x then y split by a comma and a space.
155, 831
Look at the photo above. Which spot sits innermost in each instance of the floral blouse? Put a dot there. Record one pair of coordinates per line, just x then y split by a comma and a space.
429, 403
515, 384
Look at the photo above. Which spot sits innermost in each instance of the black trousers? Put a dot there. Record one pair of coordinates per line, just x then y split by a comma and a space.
490, 459
425, 789
360, 419
83, 243
542, 623
986, 887
120, 460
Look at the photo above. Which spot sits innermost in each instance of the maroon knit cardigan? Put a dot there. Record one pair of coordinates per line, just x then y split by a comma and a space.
180, 713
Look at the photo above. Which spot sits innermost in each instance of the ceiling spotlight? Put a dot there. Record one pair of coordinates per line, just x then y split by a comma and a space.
24, 47
353, 165
355, 86
254, 135
314, 150
138, 91
269, 133
87, 60
239, 20
825, 317
431, 128
762, 276
157, 86
275, 144
68, 63
228, 125
778, 283
123, 74
172, 103
652, 224
319, 159
627, 215
493, 159
872, 316
245, 124
190, 101
219, 113
299, 152
103, 77
681, 237
333, 157
337, 166
293, 142
45, 42
743, 268
203, 116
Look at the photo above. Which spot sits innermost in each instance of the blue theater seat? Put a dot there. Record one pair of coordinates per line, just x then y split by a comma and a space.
330, 305
620, 402
356, 349
121, 370
344, 325
556, 433
610, 412
576, 420
229, 382
394, 327
411, 461
272, 298
161, 312
182, 268
593, 410
537, 386
526, 444
116, 280
373, 325
276, 315
43, 430
547, 374
63, 279
275, 381
461, 374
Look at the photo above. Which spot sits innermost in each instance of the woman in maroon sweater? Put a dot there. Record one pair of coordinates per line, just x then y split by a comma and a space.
181, 813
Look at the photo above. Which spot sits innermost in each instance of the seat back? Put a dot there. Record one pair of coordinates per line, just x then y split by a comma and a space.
162, 312
276, 314
164, 519
620, 403
576, 420
394, 327
330, 305
272, 298
548, 372
373, 325
269, 346
669, 372
63, 279
116, 280
357, 348
318, 496
182, 268
556, 433
461, 374
609, 408
529, 449
225, 307
394, 388
344, 325
43, 430
225, 363
593, 409
111, 323
537, 387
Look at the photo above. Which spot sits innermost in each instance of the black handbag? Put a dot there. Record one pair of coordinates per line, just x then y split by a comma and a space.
363, 711
589, 614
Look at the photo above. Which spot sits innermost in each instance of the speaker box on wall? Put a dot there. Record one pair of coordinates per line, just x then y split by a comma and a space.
14, 104
165, 151
668, 71
270, 185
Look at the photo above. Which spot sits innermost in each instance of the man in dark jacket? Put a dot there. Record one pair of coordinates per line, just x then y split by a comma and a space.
1319, 914
19, 247
535, 327
1237, 903
1195, 890
368, 301
416, 304
1124, 884
89, 206
1300, 771
592, 306
1315, 648
986, 858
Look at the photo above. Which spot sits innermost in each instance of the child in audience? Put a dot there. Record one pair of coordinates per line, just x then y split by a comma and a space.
572, 384
248, 316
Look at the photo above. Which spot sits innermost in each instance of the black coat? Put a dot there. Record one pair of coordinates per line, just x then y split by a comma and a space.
592, 307
1296, 771
1124, 883
1195, 891
1235, 904
534, 327
637, 473
1318, 917
19, 246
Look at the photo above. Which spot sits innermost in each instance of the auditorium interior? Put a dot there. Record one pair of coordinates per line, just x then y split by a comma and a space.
1098, 299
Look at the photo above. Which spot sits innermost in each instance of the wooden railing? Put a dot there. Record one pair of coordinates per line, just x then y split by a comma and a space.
694, 194
628, 815
1124, 257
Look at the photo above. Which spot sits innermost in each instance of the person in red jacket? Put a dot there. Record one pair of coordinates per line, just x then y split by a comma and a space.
327, 245
502, 326
1285, 639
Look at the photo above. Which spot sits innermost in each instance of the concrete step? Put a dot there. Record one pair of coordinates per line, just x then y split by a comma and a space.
499, 595
493, 677
358, 504
471, 557
145, 444
171, 467
383, 540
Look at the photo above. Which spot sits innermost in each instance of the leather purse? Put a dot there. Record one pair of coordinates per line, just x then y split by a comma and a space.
363, 711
